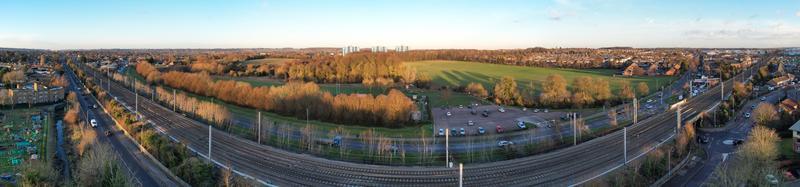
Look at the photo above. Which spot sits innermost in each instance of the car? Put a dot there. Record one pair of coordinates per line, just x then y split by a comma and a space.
747, 115
94, 106
649, 106
470, 123
501, 110
499, 129
481, 130
524, 109
441, 132
521, 125
473, 112
462, 132
93, 122
449, 114
460, 106
753, 107
763, 98
545, 110
702, 139
453, 131
737, 142
504, 143
649, 100
536, 110
771, 179
108, 133
485, 113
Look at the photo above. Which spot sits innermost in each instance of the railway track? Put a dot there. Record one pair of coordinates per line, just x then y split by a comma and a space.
558, 168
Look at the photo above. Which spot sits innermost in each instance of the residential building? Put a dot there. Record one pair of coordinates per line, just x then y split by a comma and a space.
788, 105
780, 81
796, 136
401, 48
350, 49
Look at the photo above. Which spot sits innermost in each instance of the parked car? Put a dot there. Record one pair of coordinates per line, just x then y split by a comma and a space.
108, 133
753, 106
702, 139
460, 106
501, 110
536, 110
462, 132
504, 143
470, 123
763, 98
747, 115
499, 129
94, 106
771, 179
737, 142
441, 132
93, 122
485, 113
453, 131
521, 125
473, 112
481, 130
449, 114
545, 110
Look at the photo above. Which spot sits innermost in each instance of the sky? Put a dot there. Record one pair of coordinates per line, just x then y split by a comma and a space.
419, 24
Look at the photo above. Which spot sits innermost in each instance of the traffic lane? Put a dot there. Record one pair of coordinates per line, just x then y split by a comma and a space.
129, 162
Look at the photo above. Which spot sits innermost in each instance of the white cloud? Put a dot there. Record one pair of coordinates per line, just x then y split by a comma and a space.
797, 13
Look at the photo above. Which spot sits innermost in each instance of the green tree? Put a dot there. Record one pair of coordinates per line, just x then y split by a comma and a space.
643, 89
506, 92
554, 90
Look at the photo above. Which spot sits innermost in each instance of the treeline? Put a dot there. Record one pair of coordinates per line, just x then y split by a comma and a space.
299, 99
586, 92
352, 68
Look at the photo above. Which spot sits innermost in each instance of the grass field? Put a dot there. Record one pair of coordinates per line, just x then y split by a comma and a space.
332, 88
462, 73
275, 61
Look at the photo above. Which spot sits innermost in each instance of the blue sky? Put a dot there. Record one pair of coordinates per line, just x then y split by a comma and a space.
419, 24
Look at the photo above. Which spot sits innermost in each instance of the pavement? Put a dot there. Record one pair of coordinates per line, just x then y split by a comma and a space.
717, 149
139, 167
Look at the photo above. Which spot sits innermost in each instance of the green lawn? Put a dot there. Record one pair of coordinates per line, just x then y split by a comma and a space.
462, 73
275, 61
786, 149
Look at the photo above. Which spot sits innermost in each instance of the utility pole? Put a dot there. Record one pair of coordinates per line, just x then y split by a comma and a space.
209, 142
136, 93
259, 127
174, 100
447, 148
625, 144
635, 110
460, 174
678, 126
574, 130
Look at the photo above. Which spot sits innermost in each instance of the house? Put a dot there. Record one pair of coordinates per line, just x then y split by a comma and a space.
788, 105
780, 81
673, 71
796, 136
633, 70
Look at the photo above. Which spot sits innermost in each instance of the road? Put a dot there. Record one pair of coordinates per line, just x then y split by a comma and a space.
718, 151
562, 167
138, 166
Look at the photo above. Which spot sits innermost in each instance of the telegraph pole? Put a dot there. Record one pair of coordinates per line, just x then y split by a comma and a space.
574, 130
259, 127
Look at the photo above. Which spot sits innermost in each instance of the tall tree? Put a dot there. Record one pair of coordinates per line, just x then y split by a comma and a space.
506, 92
554, 90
